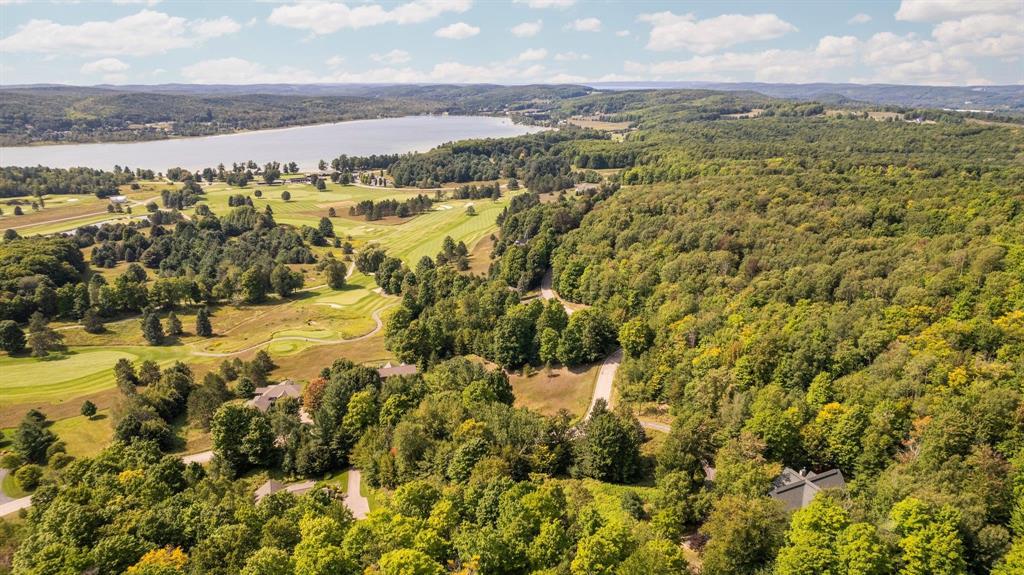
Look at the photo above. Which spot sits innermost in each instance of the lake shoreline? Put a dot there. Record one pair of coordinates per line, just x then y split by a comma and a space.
41, 144
308, 144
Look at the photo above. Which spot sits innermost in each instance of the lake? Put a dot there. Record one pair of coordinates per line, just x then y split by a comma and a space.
304, 145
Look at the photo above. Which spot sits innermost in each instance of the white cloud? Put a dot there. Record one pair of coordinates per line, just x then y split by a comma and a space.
622, 33
571, 57
527, 29
766, 66
104, 65
532, 55
860, 18
111, 70
584, 25
457, 31
329, 17
146, 2
395, 56
674, 32
212, 28
140, 34
335, 62
547, 3
982, 34
938, 10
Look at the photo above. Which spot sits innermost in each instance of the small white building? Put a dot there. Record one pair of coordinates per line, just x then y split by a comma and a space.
118, 199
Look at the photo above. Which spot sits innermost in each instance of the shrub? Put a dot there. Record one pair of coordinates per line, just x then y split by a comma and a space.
28, 476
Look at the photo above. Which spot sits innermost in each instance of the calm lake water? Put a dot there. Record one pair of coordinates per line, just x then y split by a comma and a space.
305, 145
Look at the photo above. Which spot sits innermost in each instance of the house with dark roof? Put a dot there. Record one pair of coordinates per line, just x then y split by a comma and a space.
402, 369
796, 489
266, 396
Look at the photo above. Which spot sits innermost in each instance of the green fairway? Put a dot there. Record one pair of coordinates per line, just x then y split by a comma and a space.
282, 327
62, 377
408, 238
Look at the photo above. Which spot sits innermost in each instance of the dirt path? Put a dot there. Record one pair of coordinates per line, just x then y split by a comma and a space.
354, 500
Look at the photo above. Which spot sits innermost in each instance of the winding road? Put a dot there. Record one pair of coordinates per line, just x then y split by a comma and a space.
610, 365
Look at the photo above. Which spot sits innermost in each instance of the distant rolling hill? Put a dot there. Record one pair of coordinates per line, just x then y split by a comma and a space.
990, 98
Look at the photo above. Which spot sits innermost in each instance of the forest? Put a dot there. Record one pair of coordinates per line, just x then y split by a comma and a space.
791, 292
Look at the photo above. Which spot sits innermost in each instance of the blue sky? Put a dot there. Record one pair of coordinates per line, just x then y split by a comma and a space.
523, 41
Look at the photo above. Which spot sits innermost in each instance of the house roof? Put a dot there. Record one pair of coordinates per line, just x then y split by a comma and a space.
266, 396
389, 370
796, 489
271, 486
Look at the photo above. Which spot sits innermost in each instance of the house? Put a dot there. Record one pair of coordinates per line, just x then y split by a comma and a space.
272, 486
266, 396
796, 489
402, 369
118, 199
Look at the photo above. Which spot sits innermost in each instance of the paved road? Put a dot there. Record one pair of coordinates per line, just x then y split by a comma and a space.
4, 498
357, 504
15, 506
610, 365
605, 379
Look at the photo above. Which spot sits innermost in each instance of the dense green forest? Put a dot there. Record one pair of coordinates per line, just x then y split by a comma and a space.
795, 290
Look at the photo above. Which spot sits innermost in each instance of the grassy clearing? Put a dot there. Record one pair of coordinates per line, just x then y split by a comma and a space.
84, 436
11, 488
480, 256
338, 480
563, 388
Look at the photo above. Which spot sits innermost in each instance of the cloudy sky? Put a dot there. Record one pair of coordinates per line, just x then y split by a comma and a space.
151, 41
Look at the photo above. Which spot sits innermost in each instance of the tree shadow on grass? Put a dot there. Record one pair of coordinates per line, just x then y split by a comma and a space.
57, 355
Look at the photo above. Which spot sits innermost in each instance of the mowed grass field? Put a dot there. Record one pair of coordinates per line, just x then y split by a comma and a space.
407, 238
322, 317
303, 333
64, 213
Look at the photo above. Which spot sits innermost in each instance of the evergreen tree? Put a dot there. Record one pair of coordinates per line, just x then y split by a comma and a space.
203, 326
92, 322
173, 325
152, 329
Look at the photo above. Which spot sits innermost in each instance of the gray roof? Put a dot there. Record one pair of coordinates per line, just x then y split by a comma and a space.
796, 489
268, 395
271, 486
389, 370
